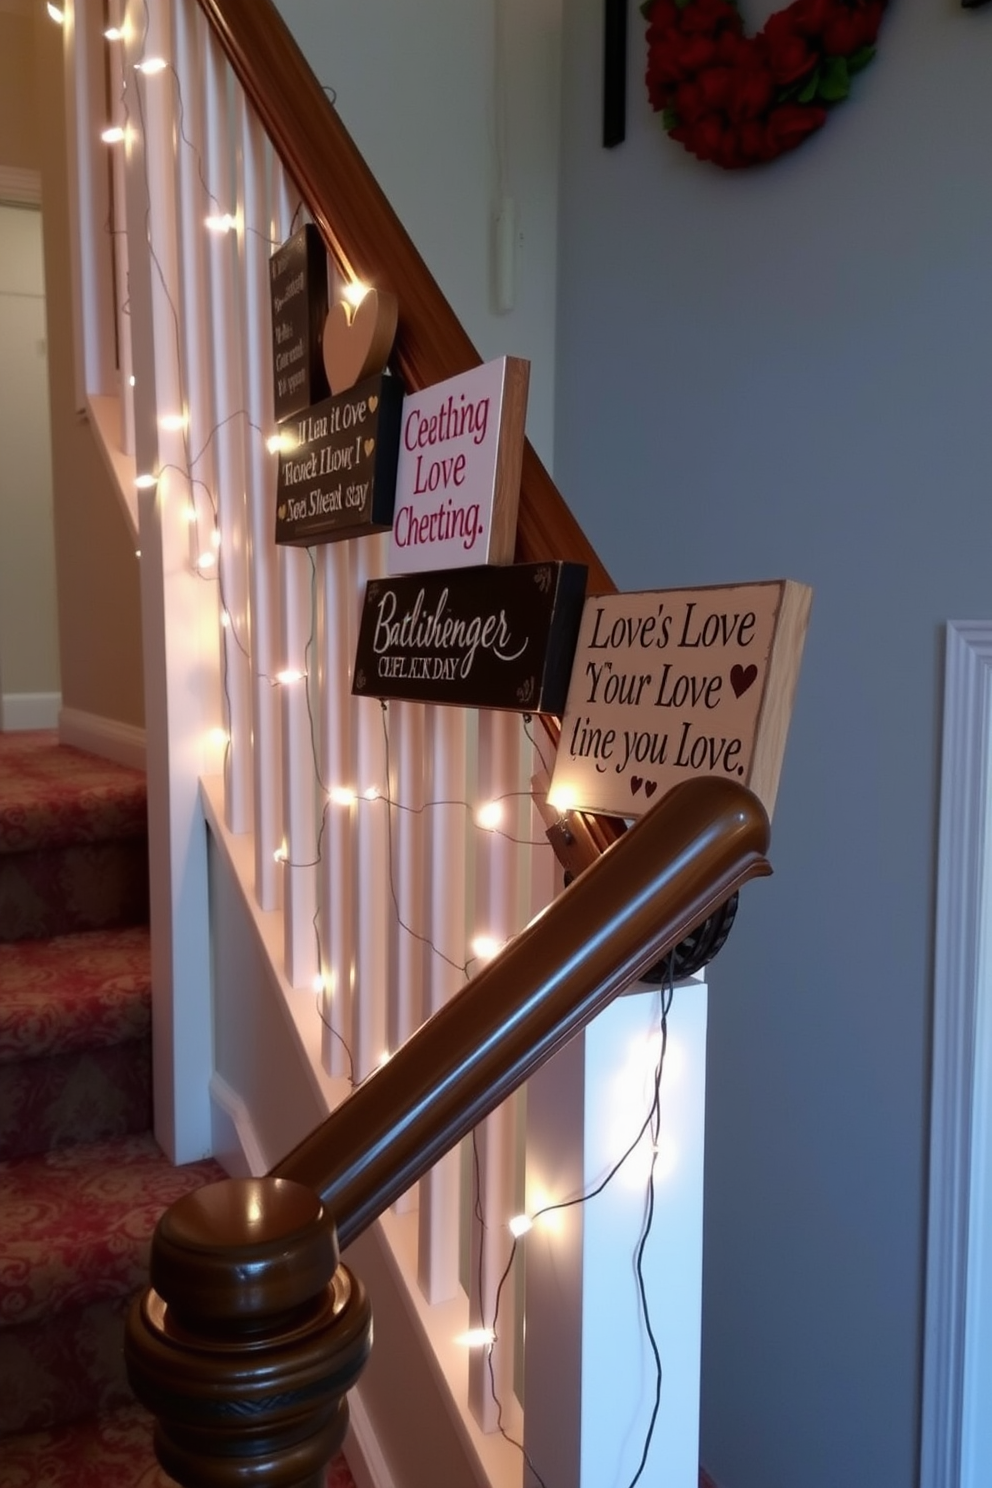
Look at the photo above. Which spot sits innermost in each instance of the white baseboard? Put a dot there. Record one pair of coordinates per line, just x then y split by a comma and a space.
369, 1467
30, 710
123, 743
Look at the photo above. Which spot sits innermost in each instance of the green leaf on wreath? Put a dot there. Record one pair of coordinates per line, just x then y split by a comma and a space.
860, 59
670, 119
834, 81
809, 91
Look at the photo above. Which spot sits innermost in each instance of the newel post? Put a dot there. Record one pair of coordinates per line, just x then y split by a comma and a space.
248, 1338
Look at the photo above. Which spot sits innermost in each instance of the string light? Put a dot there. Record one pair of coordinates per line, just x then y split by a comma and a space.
355, 293
145, 481
220, 737
225, 619
490, 816
278, 443
281, 854
221, 223
519, 1225
476, 1337
372, 794
114, 33
485, 947
288, 675
342, 796
173, 421
562, 798
112, 136
151, 65
56, 14
206, 561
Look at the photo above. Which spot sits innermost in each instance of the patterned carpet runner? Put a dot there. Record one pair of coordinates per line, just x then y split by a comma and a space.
82, 1180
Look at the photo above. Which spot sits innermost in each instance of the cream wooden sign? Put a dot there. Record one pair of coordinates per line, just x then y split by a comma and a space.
674, 683
458, 473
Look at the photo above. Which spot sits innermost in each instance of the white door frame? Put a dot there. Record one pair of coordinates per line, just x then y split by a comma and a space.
957, 1353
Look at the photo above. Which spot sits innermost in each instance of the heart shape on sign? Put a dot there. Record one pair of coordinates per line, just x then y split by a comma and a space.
741, 678
636, 781
373, 403
282, 512
650, 786
357, 345
369, 447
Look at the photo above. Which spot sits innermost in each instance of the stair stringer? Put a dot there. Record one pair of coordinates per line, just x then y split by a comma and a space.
268, 1091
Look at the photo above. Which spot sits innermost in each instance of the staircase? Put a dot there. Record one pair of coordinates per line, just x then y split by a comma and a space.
82, 1180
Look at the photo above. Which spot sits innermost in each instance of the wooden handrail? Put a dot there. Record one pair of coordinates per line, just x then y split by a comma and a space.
620, 917
251, 1334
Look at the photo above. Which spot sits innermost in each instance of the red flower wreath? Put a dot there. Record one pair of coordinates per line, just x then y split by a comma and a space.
738, 100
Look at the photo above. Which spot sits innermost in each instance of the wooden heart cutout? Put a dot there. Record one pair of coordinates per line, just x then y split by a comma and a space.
741, 678
355, 347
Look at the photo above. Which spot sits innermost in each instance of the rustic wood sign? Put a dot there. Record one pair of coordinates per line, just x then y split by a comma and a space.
337, 465
477, 637
298, 288
676, 683
458, 476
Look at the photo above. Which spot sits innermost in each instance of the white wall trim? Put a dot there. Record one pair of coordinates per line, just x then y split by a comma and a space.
365, 1457
29, 710
237, 1145
121, 742
963, 876
20, 186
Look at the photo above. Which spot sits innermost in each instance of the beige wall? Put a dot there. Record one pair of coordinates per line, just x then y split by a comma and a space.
97, 571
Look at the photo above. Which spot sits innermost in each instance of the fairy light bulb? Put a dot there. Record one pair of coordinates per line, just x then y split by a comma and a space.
113, 135
173, 421
221, 222
342, 796
490, 815
145, 481
289, 675
519, 1225
206, 560
562, 798
57, 15
372, 794
281, 855
476, 1337
114, 33
485, 947
152, 65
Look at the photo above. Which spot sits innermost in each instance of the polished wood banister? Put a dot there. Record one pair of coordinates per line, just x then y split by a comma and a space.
618, 919
368, 242
251, 1333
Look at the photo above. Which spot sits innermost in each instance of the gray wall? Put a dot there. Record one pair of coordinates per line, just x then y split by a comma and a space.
788, 372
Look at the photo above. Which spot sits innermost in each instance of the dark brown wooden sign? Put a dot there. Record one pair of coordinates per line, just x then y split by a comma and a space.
298, 287
337, 466
477, 637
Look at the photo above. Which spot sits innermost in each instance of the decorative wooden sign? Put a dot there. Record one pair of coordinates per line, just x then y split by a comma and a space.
458, 477
298, 287
677, 683
337, 466
477, 637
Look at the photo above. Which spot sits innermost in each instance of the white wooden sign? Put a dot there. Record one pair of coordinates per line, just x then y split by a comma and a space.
458, 474
674, 683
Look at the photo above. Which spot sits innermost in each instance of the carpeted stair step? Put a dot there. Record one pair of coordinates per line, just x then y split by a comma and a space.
75, 1046
109, 1451
75, 1229
73, 840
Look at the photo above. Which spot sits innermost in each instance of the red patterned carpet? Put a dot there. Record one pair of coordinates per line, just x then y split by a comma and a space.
82, 1180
